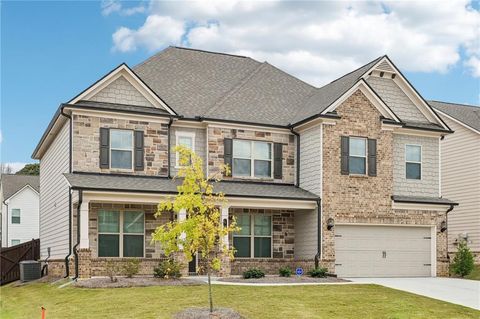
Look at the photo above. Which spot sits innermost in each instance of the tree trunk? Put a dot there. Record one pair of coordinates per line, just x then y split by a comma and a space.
210, 299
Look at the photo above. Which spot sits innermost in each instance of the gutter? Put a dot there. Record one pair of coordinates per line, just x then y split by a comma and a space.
75, 252
297, 160
446, 224
318, 256
169, 128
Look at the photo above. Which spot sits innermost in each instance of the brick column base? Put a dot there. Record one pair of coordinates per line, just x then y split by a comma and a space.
84, 263
180, 258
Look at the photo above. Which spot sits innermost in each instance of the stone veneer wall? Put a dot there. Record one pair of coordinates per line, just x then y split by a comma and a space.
364, 199
215, 149
86, 148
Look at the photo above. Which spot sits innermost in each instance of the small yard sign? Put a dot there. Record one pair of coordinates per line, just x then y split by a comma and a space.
299, 271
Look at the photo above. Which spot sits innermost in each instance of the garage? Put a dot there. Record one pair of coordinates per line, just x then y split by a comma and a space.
383, 251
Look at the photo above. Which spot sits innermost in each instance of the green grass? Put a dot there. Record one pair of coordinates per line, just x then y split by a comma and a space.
341, 301
475, 274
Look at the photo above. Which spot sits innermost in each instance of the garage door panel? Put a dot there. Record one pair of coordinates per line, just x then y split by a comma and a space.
370, 251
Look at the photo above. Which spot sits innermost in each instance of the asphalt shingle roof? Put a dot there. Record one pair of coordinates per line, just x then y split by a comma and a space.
467, 114
13, 183
424, 200
169, 186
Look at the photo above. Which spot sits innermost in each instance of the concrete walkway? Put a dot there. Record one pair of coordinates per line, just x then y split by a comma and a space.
458, 291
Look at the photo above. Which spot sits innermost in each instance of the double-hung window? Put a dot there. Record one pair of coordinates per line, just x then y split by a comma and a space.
252, 159
254, 239
15, 215
121, 233
357, 160
186, 139
413, 161
121, 149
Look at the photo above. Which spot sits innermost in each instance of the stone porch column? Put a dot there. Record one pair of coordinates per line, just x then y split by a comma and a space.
84, 224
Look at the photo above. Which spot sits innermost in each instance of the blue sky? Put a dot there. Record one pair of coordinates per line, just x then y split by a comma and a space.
50, 51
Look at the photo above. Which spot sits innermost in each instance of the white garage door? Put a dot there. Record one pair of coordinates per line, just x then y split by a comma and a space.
382, 251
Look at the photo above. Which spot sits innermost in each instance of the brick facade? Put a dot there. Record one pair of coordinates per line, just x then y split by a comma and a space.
86, 148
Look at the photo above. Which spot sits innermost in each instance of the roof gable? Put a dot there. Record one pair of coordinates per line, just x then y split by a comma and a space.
466, 115
12, 184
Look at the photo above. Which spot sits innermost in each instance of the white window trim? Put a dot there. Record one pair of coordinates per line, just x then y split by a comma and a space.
252, 159
183, 134
252, 236
414, 162
19, 216
120, 233
120, 149
357, 156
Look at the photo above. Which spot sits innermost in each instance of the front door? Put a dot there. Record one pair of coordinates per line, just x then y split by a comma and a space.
192, 266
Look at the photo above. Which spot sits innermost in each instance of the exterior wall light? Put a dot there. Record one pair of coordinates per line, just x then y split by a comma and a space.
443, 226
330, 223
225, 222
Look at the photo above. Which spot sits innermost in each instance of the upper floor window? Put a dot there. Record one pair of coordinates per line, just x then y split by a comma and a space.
252, 159
254, 239
121, 149
121, 233
413, 161
357, 160
15, 242
15, 215
186, 139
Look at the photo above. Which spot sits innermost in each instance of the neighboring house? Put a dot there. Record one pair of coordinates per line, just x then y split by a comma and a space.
347, 174
19, 195
460, 172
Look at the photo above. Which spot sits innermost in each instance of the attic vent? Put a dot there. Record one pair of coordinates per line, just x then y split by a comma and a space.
381, 74
393, 76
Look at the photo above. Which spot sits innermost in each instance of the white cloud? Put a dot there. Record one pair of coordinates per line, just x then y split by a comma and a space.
14, 166
113, 6
316, 41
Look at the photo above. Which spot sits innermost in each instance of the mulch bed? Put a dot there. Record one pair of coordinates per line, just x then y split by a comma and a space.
204, 313
123, 282
283, 280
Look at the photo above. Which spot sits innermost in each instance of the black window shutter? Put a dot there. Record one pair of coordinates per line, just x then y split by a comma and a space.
139, 151
372, 157
227, 153
104, 147
277, 160
344, 146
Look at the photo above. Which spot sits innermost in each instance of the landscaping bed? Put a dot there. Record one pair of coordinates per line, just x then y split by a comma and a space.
123, 282
283, 280
204, 313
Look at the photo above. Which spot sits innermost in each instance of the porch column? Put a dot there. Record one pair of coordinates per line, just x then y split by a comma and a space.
224, 216
182, 215
83, 220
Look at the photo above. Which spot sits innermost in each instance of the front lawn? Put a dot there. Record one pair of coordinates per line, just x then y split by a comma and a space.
339, 301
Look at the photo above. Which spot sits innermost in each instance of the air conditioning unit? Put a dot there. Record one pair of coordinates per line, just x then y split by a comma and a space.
29, 270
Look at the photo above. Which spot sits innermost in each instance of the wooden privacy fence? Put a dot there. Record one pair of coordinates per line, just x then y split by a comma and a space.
10, 257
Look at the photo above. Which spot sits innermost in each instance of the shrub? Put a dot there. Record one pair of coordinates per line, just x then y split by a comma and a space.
112, 270
285, 272
462, 264
253, 273
167, 269
318, 272
131, 267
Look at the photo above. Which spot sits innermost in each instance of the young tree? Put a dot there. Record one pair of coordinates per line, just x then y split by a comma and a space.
201, 230
30, 169
463, 263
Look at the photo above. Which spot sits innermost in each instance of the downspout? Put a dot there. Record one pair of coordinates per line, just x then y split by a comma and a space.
75, 252
6, 226
67, 266
446, 224
297, 160
169, 150
318, 256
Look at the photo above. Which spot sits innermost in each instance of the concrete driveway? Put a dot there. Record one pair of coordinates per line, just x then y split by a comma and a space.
459, 291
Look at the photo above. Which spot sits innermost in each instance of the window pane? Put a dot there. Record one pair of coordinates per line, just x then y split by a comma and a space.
243, 222
185, 141
121, 139
262, 225
132, 246
413, 153
413, 171
15, 216
15, 242
356, 165
241, 148
121, 159
15, 220
108, 245
357, 146
108, 222
262, 150
241, 167
262, 247
133, 222
262, 168
242, 246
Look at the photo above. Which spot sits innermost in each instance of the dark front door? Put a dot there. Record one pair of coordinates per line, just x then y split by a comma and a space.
192, 265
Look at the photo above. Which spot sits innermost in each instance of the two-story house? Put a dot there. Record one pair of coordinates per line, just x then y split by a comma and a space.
346, 174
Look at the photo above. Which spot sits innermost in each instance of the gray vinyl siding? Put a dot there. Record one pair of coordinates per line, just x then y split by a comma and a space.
305, 234
396, 99
428, 185
121, 91
311, 160
460, 178
54, 196
200, 145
